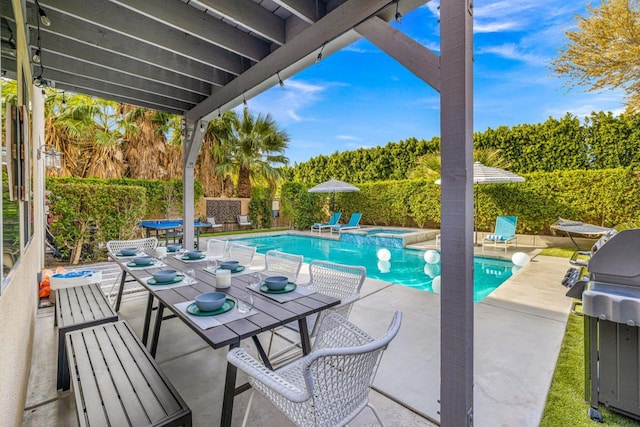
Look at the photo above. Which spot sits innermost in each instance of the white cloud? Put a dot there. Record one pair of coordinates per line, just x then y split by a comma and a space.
511, 51
523, 15
348, 138
612, 101
434, 7
291, 103
355, 47
495, 27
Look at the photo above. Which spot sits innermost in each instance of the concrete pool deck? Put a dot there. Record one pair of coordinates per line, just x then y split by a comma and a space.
518, 332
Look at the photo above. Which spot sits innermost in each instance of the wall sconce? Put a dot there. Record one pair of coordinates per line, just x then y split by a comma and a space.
52, 157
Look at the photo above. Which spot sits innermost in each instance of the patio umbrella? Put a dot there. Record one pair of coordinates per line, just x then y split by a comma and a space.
333, 186
487, 175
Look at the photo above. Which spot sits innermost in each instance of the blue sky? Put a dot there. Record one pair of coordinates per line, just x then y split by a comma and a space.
360, 97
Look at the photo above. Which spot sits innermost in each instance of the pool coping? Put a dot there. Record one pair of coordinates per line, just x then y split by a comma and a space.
412, 237
518, 332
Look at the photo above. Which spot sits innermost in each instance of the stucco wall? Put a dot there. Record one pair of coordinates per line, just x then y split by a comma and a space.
18, 306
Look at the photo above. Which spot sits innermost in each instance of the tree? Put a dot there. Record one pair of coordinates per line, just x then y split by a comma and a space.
87, 131
250, 148
146, 151
604, 52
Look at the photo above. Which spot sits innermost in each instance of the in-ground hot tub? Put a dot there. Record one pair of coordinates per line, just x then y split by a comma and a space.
385, 237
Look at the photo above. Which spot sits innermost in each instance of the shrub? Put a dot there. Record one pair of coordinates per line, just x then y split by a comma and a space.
88, 214
260, 207
604, 197
300, 207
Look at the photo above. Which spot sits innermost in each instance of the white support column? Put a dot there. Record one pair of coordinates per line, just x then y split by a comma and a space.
456, 315
192, 137
40, 172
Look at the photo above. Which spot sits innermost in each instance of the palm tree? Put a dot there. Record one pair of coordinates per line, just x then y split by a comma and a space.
173, 150
250, 148
145, 143
81, 128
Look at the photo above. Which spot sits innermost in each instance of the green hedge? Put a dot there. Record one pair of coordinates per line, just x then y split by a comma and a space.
600, 141
164, 198
260, 207
300, 207
88, 214
604, 197
91, 211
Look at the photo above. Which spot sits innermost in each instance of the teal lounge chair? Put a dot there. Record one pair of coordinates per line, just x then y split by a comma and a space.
504, 232
335, 217
354, 222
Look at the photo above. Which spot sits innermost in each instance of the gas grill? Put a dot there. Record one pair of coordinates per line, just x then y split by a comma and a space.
607, 285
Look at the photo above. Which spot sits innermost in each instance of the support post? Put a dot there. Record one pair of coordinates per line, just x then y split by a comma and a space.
456, 318
192, 137
39, 190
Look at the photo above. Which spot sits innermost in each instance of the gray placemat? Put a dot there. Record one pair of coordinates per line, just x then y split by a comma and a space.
179, 258
163, 287
156, 264
206, 322
239, 273
298, 292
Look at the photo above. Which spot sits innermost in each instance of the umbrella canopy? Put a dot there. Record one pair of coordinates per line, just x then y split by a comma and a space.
333, 186
487, 175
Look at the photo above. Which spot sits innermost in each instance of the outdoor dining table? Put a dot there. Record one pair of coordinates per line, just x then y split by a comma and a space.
268, 315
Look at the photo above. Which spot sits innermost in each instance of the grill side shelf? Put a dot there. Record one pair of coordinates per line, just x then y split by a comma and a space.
619, 304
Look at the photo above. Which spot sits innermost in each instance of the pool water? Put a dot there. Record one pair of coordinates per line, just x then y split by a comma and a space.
406, 266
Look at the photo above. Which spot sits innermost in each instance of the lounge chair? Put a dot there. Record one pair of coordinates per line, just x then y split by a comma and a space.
354, 222
243, 221
335, 217
504, 232
213, 224
580, 229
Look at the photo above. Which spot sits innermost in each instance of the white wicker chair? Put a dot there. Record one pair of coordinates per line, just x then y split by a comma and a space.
216, 248
340, 281
277, 263
114, 246
242, 253
329, 386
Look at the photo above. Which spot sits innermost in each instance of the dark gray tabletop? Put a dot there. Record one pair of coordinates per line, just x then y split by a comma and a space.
270, 313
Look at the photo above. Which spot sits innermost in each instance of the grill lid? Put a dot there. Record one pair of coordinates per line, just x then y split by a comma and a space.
618, 260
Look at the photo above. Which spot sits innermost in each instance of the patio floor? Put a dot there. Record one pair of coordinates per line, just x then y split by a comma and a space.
518, 333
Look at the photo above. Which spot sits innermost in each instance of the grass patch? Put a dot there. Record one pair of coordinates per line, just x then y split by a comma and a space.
227, 233
566, 405
565, 402
558, 252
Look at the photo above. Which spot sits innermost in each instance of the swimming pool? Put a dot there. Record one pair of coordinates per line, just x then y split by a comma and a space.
406, 266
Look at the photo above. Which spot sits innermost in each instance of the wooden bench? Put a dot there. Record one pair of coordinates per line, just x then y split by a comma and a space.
76, 308
116, 382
